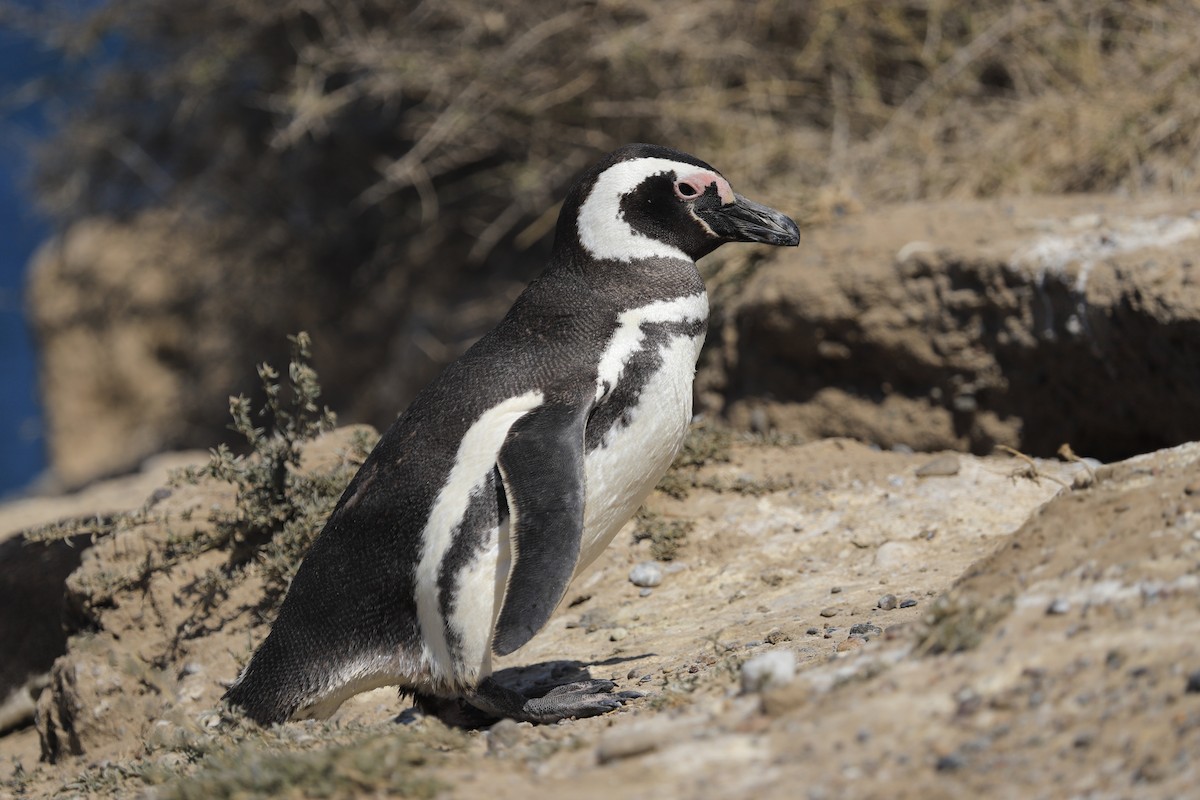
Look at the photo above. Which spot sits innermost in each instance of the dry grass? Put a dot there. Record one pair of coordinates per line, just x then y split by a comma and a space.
472, 116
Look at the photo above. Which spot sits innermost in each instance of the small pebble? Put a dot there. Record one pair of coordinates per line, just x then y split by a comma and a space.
909, 603
646, 574
944, 465
832, 611
1193, 683
866, 630
617, 634
835, 590
768, 670
504, 734
849, 644
1058, 606
813, 631
172, 761
638, 738
950, 763
646, 592
887, 602
1192, 488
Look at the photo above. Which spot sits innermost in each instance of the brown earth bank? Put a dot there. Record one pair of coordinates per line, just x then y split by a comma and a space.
952, 325
962, 325
832, 620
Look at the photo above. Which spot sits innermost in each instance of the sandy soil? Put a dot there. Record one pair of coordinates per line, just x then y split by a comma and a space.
1048, 646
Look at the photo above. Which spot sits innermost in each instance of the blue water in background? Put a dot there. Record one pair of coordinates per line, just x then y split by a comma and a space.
22, 444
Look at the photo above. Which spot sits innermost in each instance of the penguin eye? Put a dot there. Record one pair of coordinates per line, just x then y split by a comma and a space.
687, 190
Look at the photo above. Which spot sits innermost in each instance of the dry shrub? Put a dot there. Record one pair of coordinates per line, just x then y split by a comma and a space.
414, 120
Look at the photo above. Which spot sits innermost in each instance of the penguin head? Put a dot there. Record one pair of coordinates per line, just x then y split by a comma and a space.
645, 201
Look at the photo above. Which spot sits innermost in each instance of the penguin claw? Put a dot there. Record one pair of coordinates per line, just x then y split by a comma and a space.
581, 699
582, 687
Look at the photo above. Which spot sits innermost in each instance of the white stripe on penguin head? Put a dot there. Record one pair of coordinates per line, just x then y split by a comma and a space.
602, 227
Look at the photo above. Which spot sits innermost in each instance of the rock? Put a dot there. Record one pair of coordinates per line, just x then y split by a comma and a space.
770, 670
909, 603
1058, 606
635, 740
944, 465
1193, 683
887, 602
893, 555
831, 611
646, 574
505, 734
17, 709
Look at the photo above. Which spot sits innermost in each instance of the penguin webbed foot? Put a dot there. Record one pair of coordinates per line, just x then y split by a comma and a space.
580, 699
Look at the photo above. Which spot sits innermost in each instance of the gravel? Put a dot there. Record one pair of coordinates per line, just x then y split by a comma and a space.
866, 630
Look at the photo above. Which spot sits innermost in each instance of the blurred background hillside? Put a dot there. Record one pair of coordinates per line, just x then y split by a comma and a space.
385, 175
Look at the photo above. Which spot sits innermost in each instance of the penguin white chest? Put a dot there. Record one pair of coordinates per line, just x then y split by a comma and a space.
644, 387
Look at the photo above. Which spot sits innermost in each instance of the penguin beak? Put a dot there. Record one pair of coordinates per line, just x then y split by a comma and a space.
747, 221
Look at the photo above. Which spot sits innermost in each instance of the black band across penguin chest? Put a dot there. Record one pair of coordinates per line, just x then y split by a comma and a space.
644, 405
617, 405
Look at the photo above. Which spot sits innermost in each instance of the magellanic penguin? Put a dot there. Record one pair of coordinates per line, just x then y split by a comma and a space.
514, 469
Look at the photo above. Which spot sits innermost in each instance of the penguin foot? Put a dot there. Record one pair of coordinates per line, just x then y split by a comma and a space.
580, 699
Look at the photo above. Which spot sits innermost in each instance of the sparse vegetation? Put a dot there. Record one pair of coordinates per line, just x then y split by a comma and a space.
666, 536
378, 764
954, 624
706, 443
279, 506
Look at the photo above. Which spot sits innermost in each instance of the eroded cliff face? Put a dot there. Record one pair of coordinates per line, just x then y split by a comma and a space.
1028, 322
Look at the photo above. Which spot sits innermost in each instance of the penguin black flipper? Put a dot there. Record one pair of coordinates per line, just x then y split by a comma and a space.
542, 468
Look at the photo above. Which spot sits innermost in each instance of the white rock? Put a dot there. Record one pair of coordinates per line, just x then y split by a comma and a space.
768, 670
646, 573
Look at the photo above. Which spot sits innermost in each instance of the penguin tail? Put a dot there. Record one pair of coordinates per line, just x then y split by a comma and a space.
262, 697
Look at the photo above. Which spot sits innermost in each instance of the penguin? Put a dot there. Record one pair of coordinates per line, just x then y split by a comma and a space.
511, 472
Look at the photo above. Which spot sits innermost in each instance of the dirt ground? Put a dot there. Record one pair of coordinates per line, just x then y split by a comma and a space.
1042, 639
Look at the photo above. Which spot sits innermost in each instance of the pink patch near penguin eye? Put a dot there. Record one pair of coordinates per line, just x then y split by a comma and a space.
689, 187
